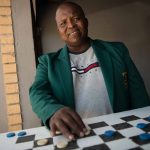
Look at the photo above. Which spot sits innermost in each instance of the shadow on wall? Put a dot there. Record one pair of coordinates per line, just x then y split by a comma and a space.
101, 4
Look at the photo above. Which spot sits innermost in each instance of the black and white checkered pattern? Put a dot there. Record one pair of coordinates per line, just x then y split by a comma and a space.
126, 136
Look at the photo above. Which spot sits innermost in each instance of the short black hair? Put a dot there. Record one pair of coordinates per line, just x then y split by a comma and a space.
73, 4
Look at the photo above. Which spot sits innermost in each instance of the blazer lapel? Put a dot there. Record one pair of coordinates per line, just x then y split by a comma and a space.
106, 66
66, 77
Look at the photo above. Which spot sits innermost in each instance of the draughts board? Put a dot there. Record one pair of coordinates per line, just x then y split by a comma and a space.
124, 123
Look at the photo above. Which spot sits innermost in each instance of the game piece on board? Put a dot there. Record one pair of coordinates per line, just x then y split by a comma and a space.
58, 132
144, 136
42, 142
22, 133
88, 132
62, 144
109, 133
141, 125
148, 118
116, 142
10, 134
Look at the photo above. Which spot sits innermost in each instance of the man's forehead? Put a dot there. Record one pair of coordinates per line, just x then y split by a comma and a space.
65, 10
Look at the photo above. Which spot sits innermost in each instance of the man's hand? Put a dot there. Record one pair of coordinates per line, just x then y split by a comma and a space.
68, 122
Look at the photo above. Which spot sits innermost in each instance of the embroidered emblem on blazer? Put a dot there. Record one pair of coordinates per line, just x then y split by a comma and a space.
125, 78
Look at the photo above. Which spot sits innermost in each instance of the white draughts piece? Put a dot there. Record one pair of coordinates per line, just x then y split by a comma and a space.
62, 144
101, 130
59, 138
129, 132
42, 142
88, 141
46, 147
58, 132
122, 144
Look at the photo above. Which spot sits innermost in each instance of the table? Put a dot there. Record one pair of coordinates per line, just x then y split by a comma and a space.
123, 123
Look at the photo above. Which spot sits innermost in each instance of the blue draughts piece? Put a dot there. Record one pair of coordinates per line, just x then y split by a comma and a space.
148, 118
10, 134
141, 125
109, 133
22, 133
144, 136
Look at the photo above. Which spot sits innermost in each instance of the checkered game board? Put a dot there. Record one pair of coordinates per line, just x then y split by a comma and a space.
124, 123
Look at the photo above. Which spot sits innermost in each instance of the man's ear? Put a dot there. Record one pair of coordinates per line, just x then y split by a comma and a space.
57, 29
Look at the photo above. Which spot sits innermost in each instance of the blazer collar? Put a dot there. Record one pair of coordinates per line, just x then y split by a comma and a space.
66, 76
105, 61
64, 55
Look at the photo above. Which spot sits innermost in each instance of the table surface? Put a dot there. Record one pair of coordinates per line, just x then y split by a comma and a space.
111, 119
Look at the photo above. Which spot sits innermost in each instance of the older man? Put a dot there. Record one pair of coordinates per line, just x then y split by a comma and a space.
84, 79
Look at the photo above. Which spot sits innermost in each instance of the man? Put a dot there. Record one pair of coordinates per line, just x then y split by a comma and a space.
86, 78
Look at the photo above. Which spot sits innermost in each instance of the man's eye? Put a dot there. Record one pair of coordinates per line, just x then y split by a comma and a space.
75, 19
62, 24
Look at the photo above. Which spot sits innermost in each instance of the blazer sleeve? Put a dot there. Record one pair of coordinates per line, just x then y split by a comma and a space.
43, 103
138, 94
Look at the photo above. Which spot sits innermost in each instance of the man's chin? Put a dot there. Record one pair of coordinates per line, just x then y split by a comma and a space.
74, 43
75, 40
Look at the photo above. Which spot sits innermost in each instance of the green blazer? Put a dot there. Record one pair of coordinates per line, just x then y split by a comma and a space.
53, 85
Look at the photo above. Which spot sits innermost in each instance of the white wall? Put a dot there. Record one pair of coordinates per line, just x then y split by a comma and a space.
112, 20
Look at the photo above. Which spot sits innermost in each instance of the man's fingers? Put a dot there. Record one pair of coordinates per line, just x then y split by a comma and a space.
64, 130
53, 130
78, 120
68, 122
73, 125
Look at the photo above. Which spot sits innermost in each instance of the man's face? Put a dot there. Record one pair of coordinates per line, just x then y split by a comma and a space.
72, 25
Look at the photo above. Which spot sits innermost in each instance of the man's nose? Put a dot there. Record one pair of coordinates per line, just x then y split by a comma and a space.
71, 24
